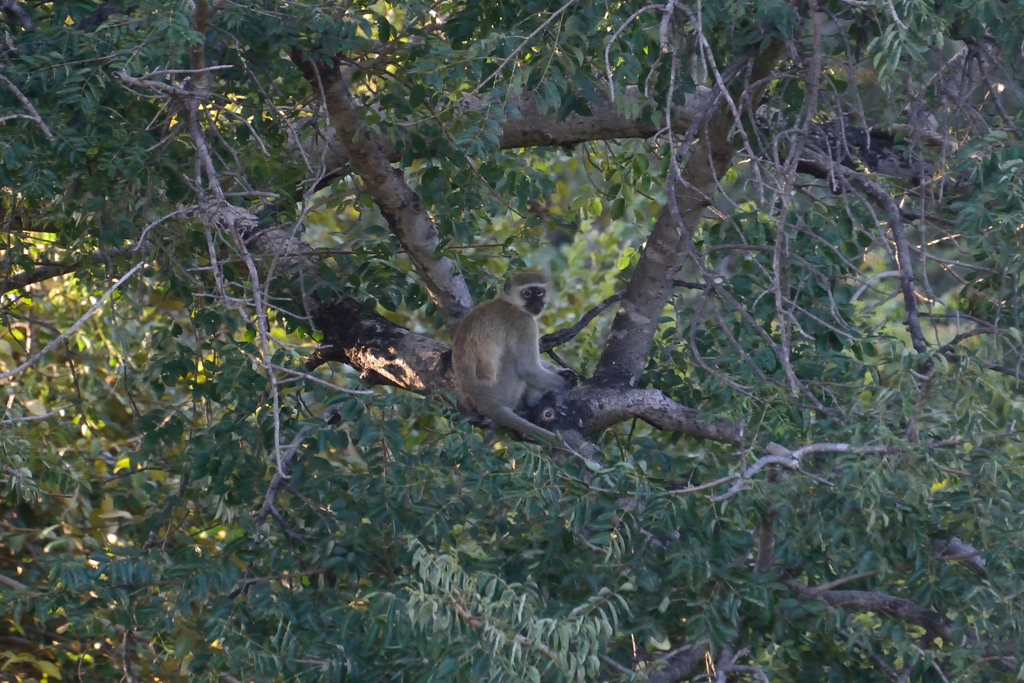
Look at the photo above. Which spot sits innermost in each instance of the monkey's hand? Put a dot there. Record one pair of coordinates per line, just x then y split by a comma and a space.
570, 377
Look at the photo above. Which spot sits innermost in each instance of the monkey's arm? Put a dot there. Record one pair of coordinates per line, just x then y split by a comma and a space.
542, 379
537, 374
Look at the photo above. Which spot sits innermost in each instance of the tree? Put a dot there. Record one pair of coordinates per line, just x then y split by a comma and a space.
238, 237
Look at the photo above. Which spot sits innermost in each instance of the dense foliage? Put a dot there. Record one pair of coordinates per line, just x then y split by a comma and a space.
183, 500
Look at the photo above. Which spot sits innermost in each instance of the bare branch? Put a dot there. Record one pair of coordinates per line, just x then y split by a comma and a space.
32, 113
280, 478
126, 658
555, 339
76, 326
526, 41
34, 418
12, 584
783, 457
52, 270
891, 208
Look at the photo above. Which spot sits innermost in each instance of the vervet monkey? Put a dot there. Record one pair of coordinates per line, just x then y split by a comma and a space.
496, 357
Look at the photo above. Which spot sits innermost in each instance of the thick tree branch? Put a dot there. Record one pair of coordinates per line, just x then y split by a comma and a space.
383, 352
935, 624
680, 665
629, 343
594, 409
399, 203
523, 125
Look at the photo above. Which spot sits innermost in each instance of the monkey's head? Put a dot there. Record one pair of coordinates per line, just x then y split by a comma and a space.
528, 291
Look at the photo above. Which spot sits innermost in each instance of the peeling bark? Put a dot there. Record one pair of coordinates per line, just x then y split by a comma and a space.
383, 352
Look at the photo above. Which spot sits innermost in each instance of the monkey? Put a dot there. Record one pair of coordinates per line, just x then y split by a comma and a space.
496, 357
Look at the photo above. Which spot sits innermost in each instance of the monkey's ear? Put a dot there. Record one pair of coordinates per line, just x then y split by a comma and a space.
508, 286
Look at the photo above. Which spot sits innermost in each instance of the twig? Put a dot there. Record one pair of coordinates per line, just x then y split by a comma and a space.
615, 36
776, 455
280, 476
519, 48
32, 113
49, 270
165, 89
292, 533
12, 584
846, 579
126, 658
33, 418
317, 380
478, 623
615, 665
282, 577
867, 283
161, 72
550, 341
74, 328
263, 329
895, 17
903, 252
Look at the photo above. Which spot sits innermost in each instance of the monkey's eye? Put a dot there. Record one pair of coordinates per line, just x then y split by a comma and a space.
533, 293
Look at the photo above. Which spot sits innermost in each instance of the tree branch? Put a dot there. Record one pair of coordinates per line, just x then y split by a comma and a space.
935, 624
628, 345
32, 113
20, 15
891, 208
555, 339
75, 327
679, 665
52, 270
523, 125
598, 408
399, 203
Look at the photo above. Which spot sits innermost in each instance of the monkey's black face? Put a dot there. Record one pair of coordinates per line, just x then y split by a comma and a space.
533, 299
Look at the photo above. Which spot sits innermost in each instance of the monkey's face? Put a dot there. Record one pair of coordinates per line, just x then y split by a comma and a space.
533, 299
